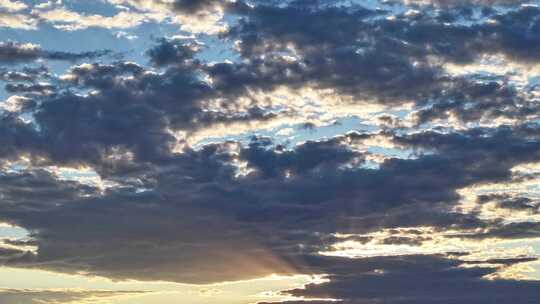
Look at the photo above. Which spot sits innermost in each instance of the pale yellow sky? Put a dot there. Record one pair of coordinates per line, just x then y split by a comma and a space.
241, 292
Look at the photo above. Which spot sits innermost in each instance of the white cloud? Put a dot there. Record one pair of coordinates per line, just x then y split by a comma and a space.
13, 103
12, 6
17, 21
209, 21
62, 18
125, 35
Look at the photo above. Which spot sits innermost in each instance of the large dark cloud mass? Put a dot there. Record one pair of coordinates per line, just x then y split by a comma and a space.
359, 52
260, 218
414, 279
166, 209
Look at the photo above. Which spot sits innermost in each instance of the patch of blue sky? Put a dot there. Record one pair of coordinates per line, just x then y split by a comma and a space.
370, 4
509, 244
3, 95
290, 135
95, 39
533, 190
483, 76
50, 38
533, 244
530, 246
533, 81
217, 50
300, 133
338, 127
85, 176
16, 167
535, 274
12, 232
477, 16
395, 152
77, 174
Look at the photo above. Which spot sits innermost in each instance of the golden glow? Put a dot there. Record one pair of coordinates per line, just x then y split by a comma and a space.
427, 240
136, 292
519, 187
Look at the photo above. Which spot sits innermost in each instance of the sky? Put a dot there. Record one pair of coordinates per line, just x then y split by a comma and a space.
269, 151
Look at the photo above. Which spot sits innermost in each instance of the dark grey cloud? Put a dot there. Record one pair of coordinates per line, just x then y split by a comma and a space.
10, 253
267, 219
358, 52
27, 74
175, 99
193, 216
511, 202
29, 88
342, 52
511, 33
473, 101
13, 52
172, 52
131, 109
515, 230
413, 279
194, 6
17, 138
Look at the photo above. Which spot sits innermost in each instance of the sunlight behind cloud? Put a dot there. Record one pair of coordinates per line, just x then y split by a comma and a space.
242, 292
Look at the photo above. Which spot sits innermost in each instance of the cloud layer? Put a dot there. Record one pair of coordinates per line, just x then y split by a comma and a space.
391, 148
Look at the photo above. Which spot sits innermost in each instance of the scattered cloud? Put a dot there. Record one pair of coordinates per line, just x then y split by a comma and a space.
389, 149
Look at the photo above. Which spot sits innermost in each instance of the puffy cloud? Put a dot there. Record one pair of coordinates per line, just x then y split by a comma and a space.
172, 51
12, 6
247, 208
69, 20
364, 53
27, 74
193, 16
17, 21
268, 215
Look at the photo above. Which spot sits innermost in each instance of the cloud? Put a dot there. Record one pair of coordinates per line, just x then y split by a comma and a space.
268, 215
510, 202
64, 19
414, 279
172, 51
249, 206
165, 103
387, 59
32, 88
12, 6
464, 3
17, 21
13, 52
27, 74
193, 16
201, 7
